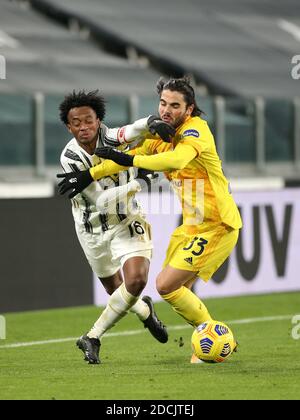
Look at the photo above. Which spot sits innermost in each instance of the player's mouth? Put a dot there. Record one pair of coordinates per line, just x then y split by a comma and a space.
167, 118
85, 136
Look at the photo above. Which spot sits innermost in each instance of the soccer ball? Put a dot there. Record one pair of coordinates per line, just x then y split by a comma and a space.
213, 342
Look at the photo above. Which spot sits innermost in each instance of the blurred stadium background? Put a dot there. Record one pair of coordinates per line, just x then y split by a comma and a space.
240, 55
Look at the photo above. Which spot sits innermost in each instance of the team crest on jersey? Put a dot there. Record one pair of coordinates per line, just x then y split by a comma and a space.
191, 133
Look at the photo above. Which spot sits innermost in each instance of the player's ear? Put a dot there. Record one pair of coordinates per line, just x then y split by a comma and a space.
69, 128
190, 109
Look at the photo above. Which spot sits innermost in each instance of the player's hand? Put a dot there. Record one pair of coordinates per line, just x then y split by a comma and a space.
118, 157
75, 182
160, 127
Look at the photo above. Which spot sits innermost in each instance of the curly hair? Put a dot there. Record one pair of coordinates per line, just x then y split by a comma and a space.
182, 85
77, 99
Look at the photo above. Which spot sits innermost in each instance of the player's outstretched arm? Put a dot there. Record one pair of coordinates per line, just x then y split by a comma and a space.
75, 182
138, 131
175, 160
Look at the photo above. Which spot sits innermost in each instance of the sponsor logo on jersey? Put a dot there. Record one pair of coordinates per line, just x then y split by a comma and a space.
189, 260
191, 133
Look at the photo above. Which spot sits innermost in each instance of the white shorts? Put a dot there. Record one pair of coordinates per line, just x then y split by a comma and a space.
107, 252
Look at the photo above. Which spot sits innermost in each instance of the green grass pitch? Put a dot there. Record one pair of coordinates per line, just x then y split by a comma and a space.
136, 367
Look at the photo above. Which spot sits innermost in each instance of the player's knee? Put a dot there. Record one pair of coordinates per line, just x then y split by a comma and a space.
161, 286
140, 282
137, 282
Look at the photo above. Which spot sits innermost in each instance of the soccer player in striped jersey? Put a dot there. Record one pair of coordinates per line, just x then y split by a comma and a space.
109, 221
211, 220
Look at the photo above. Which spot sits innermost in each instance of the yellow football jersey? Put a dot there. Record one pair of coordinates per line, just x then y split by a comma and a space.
218, 201
201, 186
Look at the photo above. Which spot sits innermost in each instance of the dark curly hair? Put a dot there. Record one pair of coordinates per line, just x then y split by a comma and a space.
182, 85
77, 99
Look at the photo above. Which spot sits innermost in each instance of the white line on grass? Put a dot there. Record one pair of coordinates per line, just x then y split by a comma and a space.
135, 332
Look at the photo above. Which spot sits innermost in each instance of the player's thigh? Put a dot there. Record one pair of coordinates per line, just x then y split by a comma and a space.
132, 239
136, 265
97, 250
135, 271
218, 254
176, 242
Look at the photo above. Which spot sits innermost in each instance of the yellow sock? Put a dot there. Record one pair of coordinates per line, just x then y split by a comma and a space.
188, 305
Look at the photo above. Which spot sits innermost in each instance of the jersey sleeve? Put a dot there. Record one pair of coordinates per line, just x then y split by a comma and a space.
106, 168
168, 161
151, 147
200, 138
73, 162
109, 167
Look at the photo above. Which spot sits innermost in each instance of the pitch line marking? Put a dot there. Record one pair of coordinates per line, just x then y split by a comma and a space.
135, 332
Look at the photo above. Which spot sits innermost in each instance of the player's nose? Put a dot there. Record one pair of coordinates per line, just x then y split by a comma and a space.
83, 127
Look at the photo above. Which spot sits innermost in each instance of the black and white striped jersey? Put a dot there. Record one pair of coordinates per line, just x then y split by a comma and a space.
109, 201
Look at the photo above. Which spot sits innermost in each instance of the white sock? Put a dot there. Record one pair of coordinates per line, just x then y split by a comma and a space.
118, 305
141, 309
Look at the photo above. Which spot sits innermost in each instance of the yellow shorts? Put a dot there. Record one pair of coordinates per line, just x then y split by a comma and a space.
203, 252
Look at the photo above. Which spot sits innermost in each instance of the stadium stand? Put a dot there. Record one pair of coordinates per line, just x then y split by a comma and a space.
43, 56
241, 50
233, 47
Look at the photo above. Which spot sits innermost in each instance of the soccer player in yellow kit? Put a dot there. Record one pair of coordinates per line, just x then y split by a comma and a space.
211, 220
